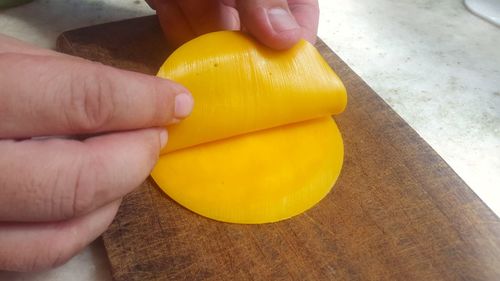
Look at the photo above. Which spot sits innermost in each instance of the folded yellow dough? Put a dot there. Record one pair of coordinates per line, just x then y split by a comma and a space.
260, 145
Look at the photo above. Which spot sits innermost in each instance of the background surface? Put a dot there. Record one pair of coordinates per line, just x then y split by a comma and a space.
435, 63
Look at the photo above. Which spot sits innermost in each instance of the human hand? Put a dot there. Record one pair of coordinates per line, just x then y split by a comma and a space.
276, 23
58, 194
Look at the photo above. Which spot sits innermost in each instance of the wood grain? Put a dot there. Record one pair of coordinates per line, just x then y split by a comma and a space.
398, 211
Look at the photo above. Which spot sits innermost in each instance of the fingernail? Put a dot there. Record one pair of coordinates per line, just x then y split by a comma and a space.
281, 19
183, 105
163, 138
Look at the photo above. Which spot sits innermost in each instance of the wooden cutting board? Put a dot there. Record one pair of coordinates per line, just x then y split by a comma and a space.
398, 211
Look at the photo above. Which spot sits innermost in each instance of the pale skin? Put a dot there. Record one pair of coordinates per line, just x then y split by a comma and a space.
58, 194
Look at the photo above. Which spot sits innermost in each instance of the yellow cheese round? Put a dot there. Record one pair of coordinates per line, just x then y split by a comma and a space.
260, 145
260, 177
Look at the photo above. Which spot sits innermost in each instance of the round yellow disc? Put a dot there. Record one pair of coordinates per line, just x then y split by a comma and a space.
260, 177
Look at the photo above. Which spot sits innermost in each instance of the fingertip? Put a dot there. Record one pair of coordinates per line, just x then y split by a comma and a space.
131, 153
175, 102
273, 26
183, 105
163, 138
306, 12
281, 19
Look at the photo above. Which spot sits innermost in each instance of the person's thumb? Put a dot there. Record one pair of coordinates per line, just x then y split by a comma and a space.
271, 22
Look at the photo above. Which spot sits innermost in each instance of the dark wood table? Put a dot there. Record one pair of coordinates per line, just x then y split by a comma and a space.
398, 211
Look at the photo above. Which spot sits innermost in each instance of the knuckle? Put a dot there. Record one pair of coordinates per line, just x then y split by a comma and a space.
64, 192
90, 103
56, 187
83, 193
87, 192
152, 155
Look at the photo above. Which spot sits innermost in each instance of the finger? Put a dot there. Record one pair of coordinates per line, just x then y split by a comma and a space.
37, 246
56, 179
45, 95
175, 26
184, 20
12, 45
279, 24
209, 15
306, 13
270, 21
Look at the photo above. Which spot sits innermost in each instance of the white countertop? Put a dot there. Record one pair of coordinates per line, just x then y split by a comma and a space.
432, 61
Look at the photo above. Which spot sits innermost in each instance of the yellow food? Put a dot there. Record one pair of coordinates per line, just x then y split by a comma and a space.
260, 177
260, 145
240, 86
